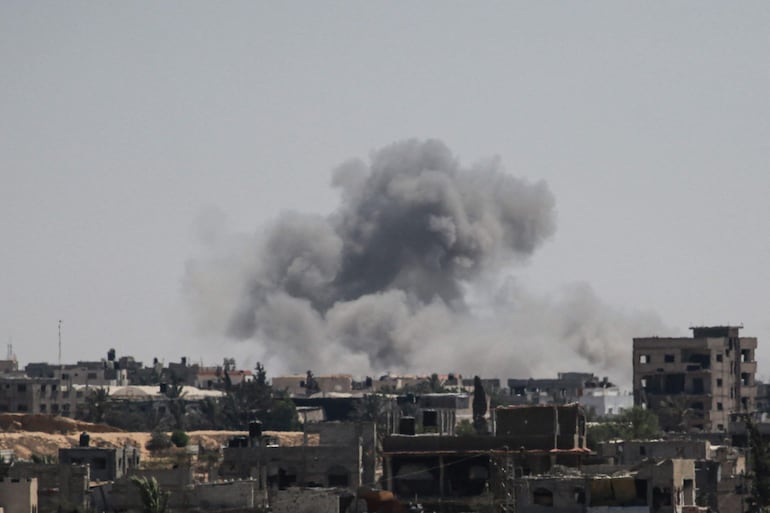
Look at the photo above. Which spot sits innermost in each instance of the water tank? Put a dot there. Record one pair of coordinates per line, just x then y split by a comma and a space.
255, 429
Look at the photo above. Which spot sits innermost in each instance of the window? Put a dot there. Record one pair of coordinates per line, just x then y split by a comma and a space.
719, 382
42, 408
21, 388
21, 407
720, 407
542, 497
91, 375
642, 450
745, 378
719, 357
644, 358
65, 376
669, 358
55, 408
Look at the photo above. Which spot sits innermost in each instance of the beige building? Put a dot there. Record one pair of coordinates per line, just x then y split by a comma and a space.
696, 382
18, 495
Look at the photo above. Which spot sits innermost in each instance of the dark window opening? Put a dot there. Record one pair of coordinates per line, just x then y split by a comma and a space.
669, 358
542, 497
697, 386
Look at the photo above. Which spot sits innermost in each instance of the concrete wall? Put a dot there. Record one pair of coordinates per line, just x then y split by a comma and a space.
59, 486
296, 500
226, 494
18, 495
542, 427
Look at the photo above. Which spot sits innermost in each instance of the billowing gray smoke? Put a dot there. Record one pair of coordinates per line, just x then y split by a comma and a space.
383, 282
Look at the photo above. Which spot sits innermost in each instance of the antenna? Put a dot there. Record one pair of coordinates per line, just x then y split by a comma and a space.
60, 342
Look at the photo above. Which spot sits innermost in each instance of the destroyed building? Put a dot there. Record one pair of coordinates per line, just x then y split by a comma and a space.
697, 382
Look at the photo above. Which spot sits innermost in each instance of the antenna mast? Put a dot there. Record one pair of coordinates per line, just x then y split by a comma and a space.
59, 341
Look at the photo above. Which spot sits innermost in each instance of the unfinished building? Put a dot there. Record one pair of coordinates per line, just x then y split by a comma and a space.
448, 472
696, 382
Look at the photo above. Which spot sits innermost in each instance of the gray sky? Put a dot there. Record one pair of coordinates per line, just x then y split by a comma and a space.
124, 124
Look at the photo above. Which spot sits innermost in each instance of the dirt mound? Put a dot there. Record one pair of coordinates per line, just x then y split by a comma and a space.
11, 422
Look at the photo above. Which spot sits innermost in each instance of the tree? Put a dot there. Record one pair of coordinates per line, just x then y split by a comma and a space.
479, 406
434, 384
179, 438
635, 423
97, 405
158, 441
676, 413
154, 500
282, 416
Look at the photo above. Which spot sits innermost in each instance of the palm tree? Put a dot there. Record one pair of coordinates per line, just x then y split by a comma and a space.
153, 499
97, 404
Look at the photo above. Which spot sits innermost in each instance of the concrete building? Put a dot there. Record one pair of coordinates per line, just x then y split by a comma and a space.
334, 454
22, 394
697, 382
606, 401
470, 473
59, 487
106, 463
721, 478
295, 385
567, 387
18, 495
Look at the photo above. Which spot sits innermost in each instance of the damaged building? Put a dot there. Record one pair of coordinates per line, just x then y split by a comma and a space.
696, 383
332, 454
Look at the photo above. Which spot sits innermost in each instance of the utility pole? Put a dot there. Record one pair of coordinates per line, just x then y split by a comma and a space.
60, 342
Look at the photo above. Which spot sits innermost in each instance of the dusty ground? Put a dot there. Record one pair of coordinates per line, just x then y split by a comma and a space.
44, 435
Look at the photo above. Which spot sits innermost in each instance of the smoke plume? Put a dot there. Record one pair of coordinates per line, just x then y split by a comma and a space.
384, 281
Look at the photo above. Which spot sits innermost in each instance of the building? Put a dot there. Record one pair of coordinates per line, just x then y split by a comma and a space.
332, 454
606, 401
18, 495
296, 385
468, 472
567, 387
106, 463
696, 382
721, 477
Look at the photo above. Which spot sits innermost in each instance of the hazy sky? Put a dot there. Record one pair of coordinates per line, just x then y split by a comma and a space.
124, 124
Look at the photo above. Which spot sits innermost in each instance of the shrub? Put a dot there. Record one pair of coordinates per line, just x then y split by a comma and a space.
158, 441
180, 438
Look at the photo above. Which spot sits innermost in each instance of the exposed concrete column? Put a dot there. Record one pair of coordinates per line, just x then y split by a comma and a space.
388, 473
441, 476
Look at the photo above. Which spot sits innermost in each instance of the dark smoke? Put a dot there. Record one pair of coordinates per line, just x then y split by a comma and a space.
381, 283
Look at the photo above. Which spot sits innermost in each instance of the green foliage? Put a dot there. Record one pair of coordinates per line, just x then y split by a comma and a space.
154, 500
43, 458
465, 428
282, 416
179, 438
97, 405
633, 424
158, 441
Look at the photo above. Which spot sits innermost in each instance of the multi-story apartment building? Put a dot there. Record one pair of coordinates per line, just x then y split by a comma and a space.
696, 382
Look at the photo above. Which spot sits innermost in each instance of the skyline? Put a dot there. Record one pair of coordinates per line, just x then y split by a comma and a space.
133, 134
